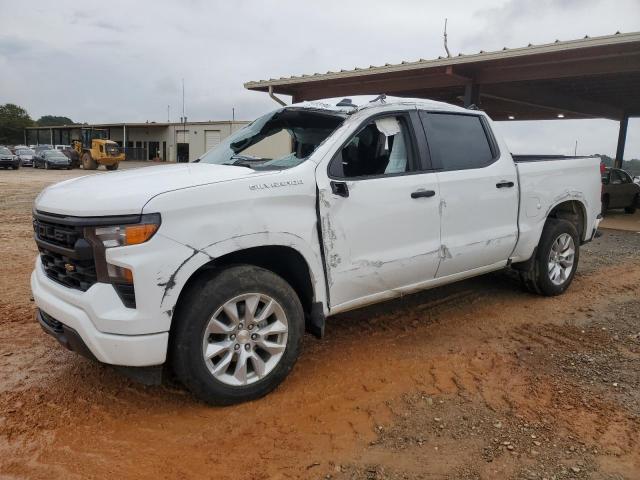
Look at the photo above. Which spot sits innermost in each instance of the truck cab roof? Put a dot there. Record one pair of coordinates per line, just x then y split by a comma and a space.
352, 104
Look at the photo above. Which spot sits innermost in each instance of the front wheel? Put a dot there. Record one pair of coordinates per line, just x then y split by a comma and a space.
237, 334
554, 266
88, 163
112, 167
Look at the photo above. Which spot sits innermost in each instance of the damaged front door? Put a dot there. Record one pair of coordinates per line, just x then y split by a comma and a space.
379, 213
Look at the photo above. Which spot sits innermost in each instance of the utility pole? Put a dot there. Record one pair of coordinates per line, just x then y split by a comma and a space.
445, 39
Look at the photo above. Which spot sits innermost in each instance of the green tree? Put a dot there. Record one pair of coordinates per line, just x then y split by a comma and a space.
13, 121
53, 121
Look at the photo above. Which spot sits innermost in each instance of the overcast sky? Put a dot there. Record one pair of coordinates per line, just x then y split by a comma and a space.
97, 61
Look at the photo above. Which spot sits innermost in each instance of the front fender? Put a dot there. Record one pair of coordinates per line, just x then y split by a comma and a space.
174, 279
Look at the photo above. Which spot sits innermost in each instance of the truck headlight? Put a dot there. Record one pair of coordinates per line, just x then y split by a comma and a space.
103, 237
122, 235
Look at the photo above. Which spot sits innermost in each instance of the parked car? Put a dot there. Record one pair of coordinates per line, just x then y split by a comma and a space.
220, 265
8, 159
39, 150
619, 191
52, 159
25, 155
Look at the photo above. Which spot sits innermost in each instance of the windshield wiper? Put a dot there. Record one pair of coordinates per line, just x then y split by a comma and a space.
244, 161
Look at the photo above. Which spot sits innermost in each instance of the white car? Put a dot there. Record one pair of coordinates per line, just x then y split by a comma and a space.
214, 269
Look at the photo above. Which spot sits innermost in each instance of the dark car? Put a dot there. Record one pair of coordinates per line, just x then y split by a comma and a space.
619, 191
52, 159
39, 151
8, 159
25, 155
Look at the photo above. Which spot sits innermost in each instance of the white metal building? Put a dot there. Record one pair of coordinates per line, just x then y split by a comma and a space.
146, 141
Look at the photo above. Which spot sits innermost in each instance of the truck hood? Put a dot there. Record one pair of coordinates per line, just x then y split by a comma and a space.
126, 192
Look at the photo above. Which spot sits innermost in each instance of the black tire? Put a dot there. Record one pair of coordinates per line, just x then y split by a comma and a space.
112, 167
88, 163
535, 278
632, 208
204, 297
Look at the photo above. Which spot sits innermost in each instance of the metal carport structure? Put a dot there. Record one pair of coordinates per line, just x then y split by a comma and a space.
586, 78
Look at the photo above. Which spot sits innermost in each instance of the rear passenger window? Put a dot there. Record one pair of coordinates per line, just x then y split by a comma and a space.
458, 142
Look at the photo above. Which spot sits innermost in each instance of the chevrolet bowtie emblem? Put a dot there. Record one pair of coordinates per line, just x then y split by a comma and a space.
69, 268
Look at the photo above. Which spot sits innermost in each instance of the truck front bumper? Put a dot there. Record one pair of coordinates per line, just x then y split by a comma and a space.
75, 330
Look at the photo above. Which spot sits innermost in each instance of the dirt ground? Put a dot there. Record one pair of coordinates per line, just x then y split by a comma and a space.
478, 380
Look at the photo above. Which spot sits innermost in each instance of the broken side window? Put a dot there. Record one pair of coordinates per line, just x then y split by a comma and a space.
379, 148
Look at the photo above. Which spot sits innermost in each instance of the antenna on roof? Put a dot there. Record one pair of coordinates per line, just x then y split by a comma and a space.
445, 39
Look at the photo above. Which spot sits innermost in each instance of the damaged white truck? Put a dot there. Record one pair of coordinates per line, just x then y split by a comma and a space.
214, 269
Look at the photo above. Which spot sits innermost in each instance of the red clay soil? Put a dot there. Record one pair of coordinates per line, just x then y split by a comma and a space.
476, 380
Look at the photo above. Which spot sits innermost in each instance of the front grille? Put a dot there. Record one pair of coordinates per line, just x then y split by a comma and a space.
70, 272
66, 256
57, 234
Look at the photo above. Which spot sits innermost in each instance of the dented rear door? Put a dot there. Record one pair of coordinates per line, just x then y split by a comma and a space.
478, 189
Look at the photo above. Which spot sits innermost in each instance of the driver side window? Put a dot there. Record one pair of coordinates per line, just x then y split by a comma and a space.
382, 147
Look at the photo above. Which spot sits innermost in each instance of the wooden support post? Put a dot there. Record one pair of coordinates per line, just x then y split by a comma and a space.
622, 140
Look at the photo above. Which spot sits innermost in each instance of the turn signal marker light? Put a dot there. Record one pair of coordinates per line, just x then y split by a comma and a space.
136, 234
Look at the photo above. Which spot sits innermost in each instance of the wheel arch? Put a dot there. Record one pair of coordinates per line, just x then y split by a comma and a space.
284, 261
574, 211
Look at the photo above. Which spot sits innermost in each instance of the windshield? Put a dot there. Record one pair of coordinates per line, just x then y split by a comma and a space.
5, 151
112, 149
276, 141
25, 151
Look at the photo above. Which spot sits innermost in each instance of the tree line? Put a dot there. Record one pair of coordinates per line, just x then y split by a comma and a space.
631, 166
14, 119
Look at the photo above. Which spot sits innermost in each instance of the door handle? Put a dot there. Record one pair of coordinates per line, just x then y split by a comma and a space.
340, 188
504, 184
422, 193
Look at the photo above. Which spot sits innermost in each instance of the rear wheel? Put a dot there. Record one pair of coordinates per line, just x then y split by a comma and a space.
237, 334
88, 163
112, 167
556, 260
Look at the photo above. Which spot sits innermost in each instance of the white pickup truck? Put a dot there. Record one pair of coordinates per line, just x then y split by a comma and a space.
216, 267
